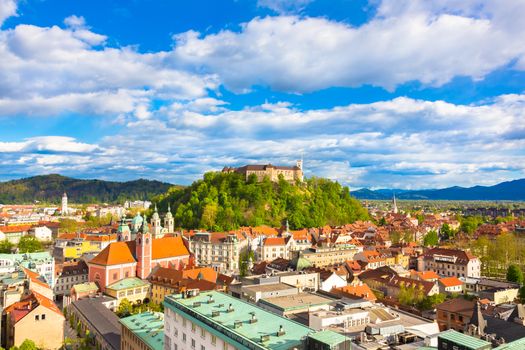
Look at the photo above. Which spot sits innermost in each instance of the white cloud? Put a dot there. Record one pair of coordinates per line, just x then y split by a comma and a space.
406, 41
52, 70
7, 9
401, 143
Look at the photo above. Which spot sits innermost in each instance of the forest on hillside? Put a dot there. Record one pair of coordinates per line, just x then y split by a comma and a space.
226, 201
49, 189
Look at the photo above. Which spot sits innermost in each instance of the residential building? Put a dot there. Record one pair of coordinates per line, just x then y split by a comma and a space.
42, 233
102, 323
214, 320
297, 304
13, 233
332, 280
143, 331
82, 290
272, 172
372, 259
275, 247
263, 291
355, 290
450, 262
36, 318
166, 281
137, 258
450, 285
219, 250
69, 274
132, 288
455, 314
327, 256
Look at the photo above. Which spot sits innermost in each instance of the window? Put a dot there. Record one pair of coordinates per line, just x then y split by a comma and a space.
202, 347
183, 337
193, 327
184, 322
43, 317
114, 276
37, 317
213, 340
127, 274
192, 343
203, 334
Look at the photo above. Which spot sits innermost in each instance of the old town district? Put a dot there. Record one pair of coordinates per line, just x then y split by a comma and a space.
138, 283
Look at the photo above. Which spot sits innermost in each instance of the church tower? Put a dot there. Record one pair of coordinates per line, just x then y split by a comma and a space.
169, 223
394, 205
155, 224
143, 250
123, 231
64, 204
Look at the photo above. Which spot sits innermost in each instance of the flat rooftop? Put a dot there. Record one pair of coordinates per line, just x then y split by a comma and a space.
235, 326
298, 301
269, 287
148, 326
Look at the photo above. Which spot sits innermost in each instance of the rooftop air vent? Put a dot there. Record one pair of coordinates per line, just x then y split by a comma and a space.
215, 314
281, 331
230, 308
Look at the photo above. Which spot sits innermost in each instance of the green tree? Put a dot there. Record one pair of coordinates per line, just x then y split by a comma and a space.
27, 345
431, 239
6, 246
29, 244
244, 262
125, 308
521, 294
446, 231
69, 225
514, 274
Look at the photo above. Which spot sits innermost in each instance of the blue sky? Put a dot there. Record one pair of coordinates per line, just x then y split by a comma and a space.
378, 93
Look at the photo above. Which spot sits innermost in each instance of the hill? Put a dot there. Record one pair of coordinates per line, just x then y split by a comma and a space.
510, 190
225, 201
49, 189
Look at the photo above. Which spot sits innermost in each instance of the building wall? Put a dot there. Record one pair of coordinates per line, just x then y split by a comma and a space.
327, 258
182, 334
135, 295
47, 333
129, 341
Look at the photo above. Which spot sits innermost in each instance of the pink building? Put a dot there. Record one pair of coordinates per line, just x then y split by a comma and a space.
137, 258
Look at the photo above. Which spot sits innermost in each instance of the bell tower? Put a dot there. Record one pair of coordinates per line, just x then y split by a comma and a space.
155, 224
143, 250
169, 223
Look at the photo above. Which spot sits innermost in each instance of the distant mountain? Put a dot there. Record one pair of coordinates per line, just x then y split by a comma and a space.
510, 190
49, 188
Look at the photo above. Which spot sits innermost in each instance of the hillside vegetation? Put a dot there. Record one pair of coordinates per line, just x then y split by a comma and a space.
49, 189
222, 201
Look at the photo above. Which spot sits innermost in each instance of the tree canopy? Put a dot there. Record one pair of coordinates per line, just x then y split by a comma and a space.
226, 201
29, 244
431, 239
514, 274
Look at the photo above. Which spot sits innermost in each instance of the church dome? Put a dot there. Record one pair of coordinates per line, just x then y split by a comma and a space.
137, 220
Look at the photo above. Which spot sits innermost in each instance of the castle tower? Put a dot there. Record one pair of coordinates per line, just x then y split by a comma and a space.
123, 232
394, 205
169, 223
299, 173
143, 250
64, 204
156, 225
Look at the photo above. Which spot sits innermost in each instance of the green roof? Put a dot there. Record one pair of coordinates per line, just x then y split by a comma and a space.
328, 337
463, 339
426, 348
235, 327
127, 283
148, 326
514, 345
85, 287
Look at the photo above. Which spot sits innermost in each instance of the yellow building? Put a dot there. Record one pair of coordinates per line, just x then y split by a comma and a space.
36, 318
165, 281
132, 288
403, 260
74, 250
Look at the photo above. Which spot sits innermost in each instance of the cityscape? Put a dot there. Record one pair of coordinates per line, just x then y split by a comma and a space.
262, 175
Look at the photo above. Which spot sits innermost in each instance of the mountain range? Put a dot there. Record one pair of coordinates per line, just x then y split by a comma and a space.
49, 189
509, 190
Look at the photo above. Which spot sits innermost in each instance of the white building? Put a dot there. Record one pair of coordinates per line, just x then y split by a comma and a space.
450, 262
42, 233
333, 281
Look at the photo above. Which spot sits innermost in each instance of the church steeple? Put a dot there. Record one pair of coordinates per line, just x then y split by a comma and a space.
394, 205
156, 224
169, 223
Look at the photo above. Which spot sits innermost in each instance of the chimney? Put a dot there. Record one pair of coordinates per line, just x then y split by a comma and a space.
281, 331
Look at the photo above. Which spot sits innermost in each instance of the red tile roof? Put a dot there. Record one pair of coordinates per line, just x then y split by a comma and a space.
450, 282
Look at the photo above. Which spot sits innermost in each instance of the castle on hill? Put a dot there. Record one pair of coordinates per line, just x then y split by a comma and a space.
289, 173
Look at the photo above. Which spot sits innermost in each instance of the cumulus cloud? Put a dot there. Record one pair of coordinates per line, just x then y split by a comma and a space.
54, 70
7, 9
429, 42
401, 143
